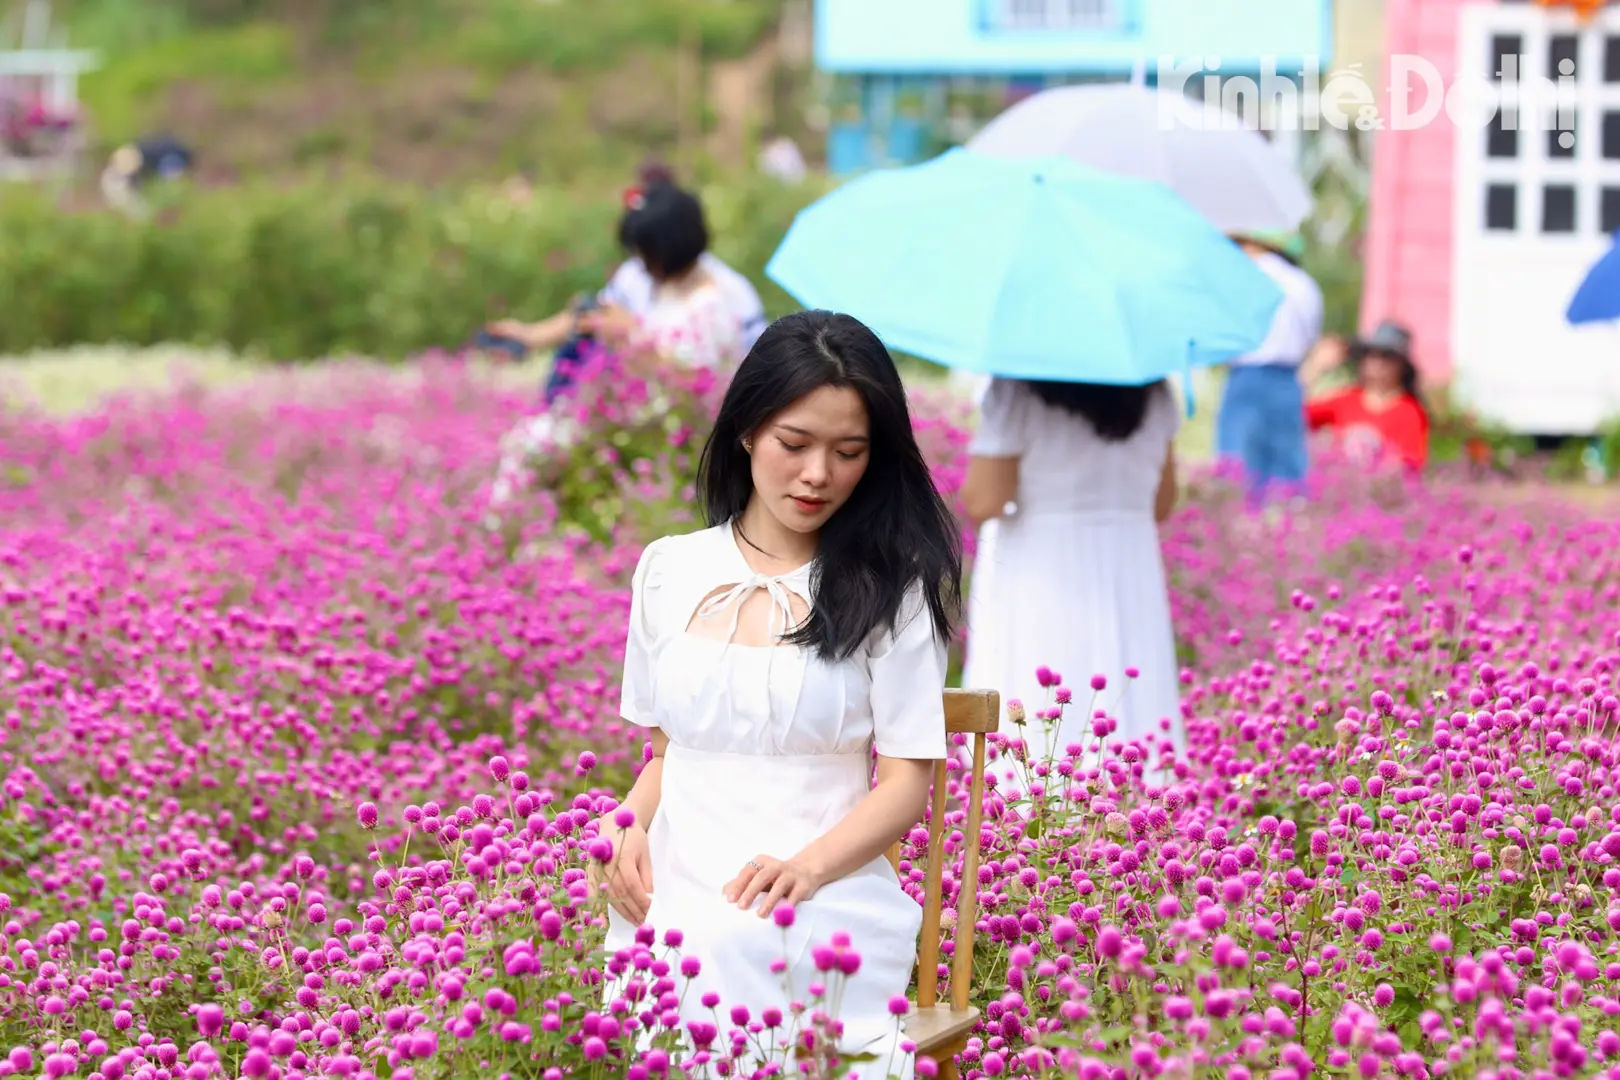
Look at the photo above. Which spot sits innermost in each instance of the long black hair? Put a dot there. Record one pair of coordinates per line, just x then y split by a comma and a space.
895, 531
1114, 412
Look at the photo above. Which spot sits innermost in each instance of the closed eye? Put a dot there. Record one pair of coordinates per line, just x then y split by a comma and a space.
851, 455
789, 446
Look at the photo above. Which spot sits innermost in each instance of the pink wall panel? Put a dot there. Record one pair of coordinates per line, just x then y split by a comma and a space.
1409, 230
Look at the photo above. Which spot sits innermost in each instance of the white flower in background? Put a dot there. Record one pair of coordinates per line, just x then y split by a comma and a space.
535, 441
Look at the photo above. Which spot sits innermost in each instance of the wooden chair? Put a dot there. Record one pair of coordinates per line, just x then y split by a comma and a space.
941, 1030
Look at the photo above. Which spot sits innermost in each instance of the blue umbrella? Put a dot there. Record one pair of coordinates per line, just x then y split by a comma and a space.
1031, 268
1598, 298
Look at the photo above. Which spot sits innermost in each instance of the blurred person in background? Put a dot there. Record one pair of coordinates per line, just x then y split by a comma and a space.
1261, 422
781, 159
689, 319
1382, 417
1076, 478
628, 294
136, 165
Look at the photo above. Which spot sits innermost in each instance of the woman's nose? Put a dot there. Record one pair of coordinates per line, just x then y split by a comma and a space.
815, 470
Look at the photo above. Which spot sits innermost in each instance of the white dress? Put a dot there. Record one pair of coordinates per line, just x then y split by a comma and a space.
1074, 580
769, 749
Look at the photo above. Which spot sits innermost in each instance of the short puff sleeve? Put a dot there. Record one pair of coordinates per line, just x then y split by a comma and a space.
636, 703
907, 669
1004, 421
1165, 412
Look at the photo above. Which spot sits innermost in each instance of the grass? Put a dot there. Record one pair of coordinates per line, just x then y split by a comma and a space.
566, 36
121, 93
148, 47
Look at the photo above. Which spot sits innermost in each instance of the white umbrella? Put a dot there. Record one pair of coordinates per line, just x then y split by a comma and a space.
1229, 173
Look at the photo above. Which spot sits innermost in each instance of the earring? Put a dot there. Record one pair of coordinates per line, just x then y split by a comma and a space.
748, 446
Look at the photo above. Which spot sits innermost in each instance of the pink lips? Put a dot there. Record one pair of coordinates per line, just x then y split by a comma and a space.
809, 506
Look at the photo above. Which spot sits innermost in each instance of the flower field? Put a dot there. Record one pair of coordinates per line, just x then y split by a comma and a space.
303, 747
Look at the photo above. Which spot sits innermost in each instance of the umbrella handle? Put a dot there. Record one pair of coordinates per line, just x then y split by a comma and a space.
1187, 379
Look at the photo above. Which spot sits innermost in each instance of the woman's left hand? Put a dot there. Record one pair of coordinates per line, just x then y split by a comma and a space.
773, 881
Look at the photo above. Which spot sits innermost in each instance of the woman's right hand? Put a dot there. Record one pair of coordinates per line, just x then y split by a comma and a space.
627, 873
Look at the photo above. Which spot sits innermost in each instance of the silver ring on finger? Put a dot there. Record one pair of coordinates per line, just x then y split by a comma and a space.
755, 865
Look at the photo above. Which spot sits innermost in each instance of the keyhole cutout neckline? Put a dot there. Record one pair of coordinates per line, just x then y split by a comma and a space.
733, 595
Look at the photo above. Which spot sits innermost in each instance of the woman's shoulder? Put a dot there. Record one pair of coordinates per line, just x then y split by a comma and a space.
674, 571
1162, 421
682, 552
1414, 411
1336, 399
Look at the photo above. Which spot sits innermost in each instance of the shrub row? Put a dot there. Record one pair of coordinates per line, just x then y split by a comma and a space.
321, 270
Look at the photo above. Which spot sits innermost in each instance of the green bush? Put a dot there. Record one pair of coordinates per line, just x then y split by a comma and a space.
320, 270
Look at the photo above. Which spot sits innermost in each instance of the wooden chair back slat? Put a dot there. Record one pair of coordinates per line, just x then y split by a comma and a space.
974, 713
928, 955
967, 903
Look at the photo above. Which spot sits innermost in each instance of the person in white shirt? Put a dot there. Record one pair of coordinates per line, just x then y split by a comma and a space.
1262, 416
629, 293
632, 288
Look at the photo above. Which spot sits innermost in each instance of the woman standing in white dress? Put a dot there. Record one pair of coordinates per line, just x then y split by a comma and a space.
1074, 479
770, 655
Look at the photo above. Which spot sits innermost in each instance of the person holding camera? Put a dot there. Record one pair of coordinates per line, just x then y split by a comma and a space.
689, 321
638, 294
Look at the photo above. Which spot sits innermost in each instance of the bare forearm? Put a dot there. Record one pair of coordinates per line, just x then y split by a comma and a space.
550, 333
646, 792
892, 808
1164, 502
977, 515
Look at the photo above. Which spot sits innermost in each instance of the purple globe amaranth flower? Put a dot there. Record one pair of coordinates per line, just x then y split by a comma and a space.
210, 1020
1436, 726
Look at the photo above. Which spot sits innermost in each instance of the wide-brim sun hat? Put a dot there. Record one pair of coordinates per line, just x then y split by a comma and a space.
1387, 337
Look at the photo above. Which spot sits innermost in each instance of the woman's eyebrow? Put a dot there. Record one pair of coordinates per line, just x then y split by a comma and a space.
810, 434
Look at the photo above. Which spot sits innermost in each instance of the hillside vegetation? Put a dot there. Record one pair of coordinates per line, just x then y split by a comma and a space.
432, 91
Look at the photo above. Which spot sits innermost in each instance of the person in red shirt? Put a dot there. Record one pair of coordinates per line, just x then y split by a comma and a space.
1382, 416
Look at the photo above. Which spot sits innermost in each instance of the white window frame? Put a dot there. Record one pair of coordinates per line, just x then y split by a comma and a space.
1061, 14
1533, 168
1509, 288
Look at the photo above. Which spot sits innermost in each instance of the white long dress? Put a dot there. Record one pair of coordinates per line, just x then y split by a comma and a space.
1074, 580
769, 748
